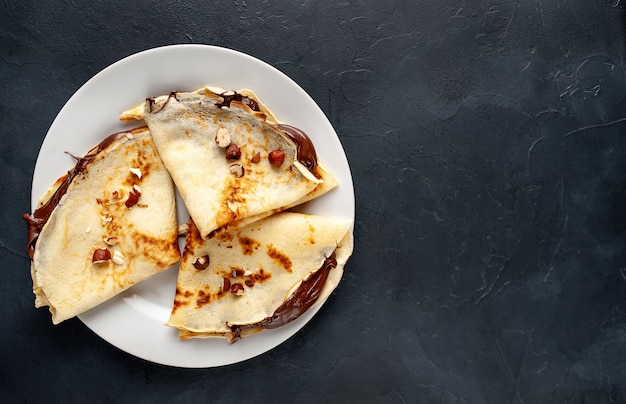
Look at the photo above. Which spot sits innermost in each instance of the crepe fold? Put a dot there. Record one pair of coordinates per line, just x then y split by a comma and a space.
219, 156
260, 276
120, 199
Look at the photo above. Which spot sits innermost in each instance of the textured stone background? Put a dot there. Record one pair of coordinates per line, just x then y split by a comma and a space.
487, 140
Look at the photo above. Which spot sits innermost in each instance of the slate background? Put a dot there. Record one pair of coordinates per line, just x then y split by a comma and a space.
487, 145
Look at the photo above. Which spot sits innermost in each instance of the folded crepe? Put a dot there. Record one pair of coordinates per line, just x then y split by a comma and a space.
106, 225
228, 161
263, 275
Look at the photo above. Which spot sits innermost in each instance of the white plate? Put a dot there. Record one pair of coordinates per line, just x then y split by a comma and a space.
133, 321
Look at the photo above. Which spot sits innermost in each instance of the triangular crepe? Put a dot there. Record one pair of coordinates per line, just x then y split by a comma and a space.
117, 205
260, 276
226, 160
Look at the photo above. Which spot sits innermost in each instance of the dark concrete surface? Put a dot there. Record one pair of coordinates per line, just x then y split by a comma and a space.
487, 141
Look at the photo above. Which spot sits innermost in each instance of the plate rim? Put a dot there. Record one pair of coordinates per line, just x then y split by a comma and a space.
90, 318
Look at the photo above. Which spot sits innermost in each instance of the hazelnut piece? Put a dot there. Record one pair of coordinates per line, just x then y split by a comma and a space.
256, 158
237, 289
183, 229
101, 255
222, 138
233, 152
201, 263
225, 284
118, 257
111, 240
106, 219
237, 169
276, 157
136, 171
132, 200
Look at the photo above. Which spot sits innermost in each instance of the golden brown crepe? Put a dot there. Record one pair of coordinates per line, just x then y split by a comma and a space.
227, 161
260, 276
118, 208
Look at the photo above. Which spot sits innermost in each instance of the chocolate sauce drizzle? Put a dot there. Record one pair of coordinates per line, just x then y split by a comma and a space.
40, 216
306, 151
230, 96
298, 303
150, 101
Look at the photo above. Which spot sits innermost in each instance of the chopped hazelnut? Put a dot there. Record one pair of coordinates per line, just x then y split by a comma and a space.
183, 229
222, 137
256, 158
237, 289
132, 200
106, 219
225, 284
233, 152
100, 255
110, 240
136, 171
237, 169
118, 257
276, 157
201, 263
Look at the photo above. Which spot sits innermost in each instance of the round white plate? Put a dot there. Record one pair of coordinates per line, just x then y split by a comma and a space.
133, 321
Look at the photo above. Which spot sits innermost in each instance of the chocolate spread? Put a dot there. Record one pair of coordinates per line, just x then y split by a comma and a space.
305, 150
230, 96
40, 216
151, 100
298, 303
